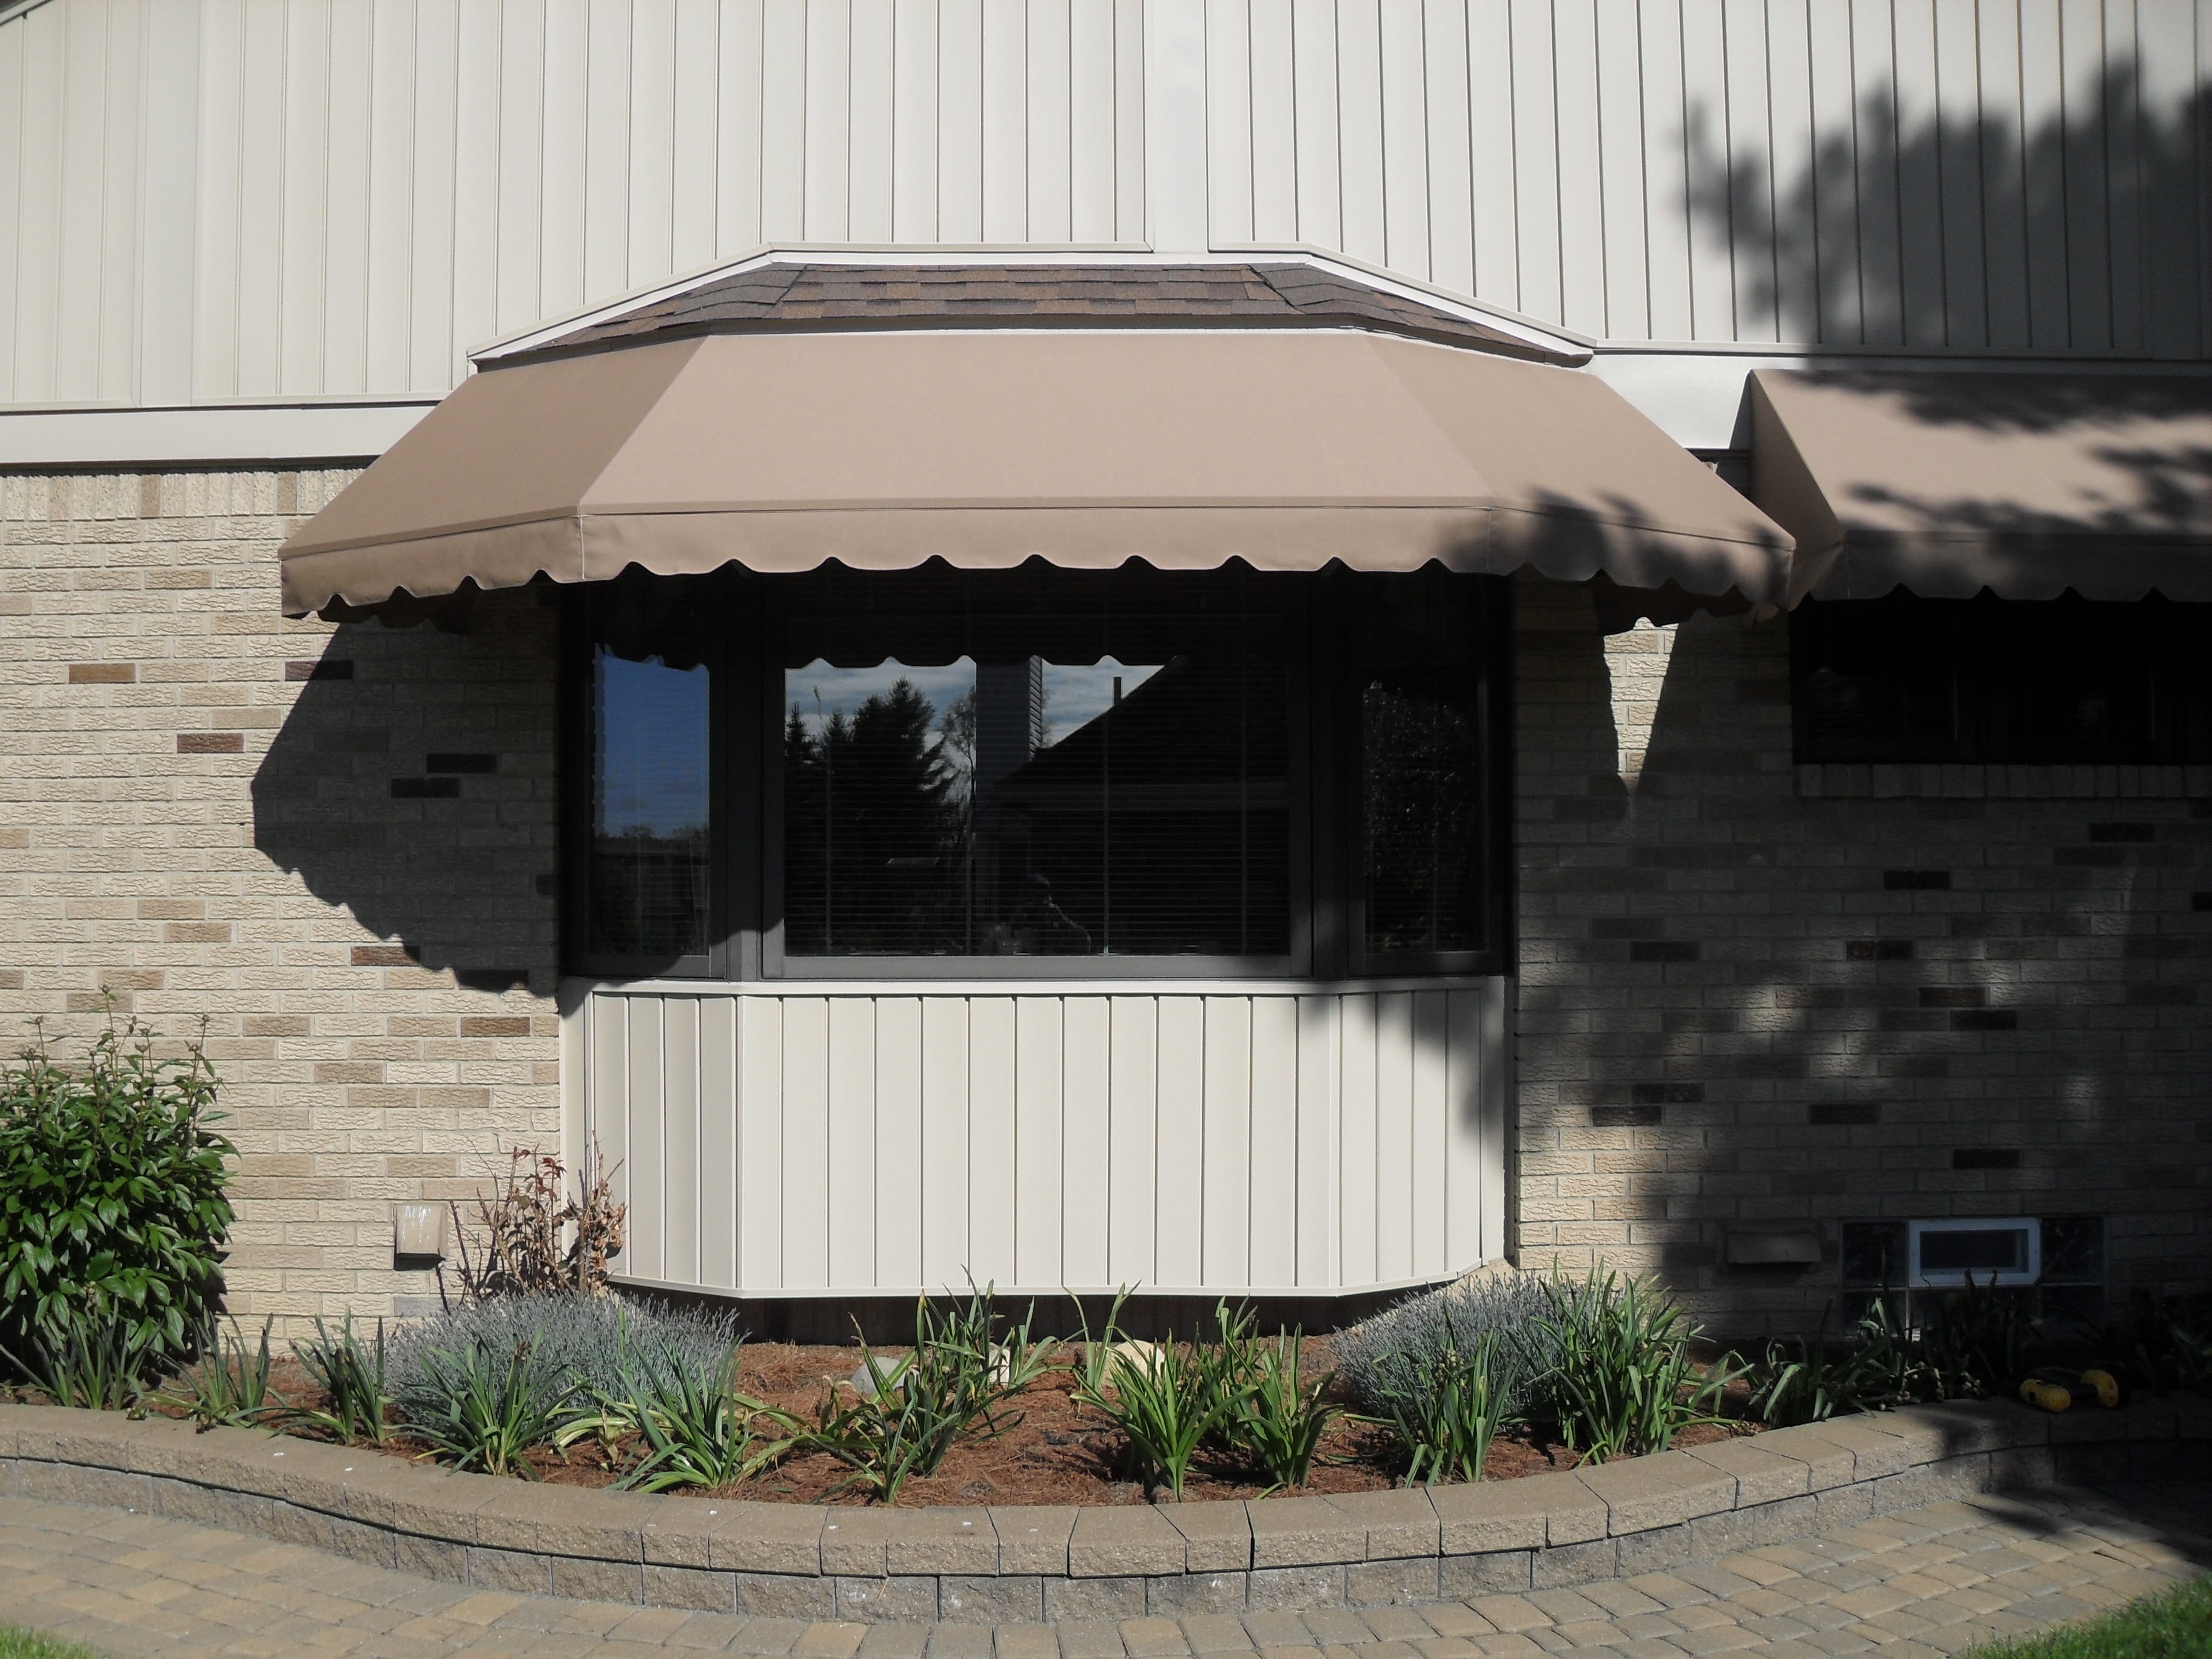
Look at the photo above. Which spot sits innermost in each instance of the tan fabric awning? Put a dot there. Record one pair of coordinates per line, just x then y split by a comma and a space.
884, 450
2025, 484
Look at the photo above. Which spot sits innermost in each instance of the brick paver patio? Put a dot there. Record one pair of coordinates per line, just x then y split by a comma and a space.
1927, 1580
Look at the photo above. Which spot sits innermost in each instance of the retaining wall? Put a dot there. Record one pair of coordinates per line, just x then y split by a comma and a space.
1000, 1566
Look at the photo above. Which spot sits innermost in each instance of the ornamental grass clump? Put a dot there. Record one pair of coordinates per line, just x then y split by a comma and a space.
1620, 1380
483, 1406
917, 1407
112, 1216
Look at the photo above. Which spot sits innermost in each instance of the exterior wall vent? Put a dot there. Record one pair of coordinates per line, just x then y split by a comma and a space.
1945, 1255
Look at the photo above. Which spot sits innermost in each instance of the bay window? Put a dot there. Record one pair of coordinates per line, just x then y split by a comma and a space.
1036, 773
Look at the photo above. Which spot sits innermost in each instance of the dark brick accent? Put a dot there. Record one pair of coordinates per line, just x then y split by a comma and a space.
1954, 996
103, 674
2200, 900
2123, 832
2098, 856
546, 886
1916, 881
1623, 1117
425, 788
1625, 927
385, 955
1986, 1019
326, 668
491, 979
497, 1025
1668, 1094
1877, 950
2162, 996
461, 763
1985, 1158
210, 743
1912, 1019
1834, 1112
1662, 949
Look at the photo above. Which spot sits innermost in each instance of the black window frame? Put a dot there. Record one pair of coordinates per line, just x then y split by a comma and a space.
1325, 866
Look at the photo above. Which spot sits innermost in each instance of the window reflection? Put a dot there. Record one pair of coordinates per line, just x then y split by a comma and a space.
649, 885
1049, 802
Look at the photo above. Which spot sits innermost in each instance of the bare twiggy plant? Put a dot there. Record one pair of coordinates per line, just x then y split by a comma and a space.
536, 1237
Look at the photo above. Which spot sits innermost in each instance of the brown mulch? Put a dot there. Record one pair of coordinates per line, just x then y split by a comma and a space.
1045, 1450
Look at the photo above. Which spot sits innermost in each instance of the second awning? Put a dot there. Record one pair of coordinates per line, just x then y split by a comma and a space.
2027, 485
1185, 448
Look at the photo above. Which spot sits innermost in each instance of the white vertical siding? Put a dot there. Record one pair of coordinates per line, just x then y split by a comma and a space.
204, 199
874, 1141
2022, 175
343, 196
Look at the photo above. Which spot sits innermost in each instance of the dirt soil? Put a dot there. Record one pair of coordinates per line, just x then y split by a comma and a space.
1047, 1450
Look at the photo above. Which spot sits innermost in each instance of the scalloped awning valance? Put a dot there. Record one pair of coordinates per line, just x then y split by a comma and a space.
1185, 447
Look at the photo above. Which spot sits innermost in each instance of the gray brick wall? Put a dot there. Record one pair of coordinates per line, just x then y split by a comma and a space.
1740, 1006
209, 812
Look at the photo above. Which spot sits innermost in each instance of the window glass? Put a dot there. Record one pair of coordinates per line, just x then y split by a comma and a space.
649, 878
1056, 766
1421, 750
2051, 682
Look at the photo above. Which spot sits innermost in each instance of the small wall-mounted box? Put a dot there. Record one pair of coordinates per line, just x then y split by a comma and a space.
1771, 1247
2007, 1250
418, 1231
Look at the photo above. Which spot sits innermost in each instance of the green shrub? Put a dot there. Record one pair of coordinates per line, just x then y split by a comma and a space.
1399, 1353
478, 1406
2165, 1344
355, 1378
1620, 1382
922, 1405
230, 1387
112, 1216
1166, 1401
1798, 1380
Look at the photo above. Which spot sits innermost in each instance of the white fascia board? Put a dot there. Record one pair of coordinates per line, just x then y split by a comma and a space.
292, 433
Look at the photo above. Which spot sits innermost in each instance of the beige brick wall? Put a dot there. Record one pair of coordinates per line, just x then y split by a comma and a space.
198, 813
1709, 963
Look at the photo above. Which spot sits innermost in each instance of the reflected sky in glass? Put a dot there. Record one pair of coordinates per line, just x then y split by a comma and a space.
1075, 694
652, 764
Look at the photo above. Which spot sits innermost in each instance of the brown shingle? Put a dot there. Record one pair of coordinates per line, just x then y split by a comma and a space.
1283, 294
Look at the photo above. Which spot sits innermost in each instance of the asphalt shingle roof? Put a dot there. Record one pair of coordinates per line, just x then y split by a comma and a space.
801, 295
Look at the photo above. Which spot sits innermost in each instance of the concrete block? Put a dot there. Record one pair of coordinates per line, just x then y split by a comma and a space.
372, 1546
1033, 1540
307, 1528
2088, 1425
1973, 1425
1760, 1476
2021, 1467
586, 1523
778, 1539
1070, 1601
1487, 1516
1661, 1491
1874, 1454
1198, 1593
73, 1483
990, 1599
784, 1595
518, 1570
1217, 1537
598, 1581
1295, 1590
1118, 1542
1844, 1506
1496, 1573
1410, 1581
1655, 1548
886, 1601
1290, 1531
1926, 1433
2098, 1465
1399, 1525
428, 1558
1752, 1527
314, 1476
1575, 1564
693, 1588
681, 1533
1826, 1464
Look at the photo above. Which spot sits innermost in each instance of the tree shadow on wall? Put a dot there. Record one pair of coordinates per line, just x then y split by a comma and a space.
2077, 230
413, 785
